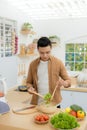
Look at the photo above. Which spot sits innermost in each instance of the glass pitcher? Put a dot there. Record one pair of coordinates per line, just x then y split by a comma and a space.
3, 86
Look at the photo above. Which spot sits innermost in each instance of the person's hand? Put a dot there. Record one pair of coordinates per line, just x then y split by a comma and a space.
31, 90
61, 83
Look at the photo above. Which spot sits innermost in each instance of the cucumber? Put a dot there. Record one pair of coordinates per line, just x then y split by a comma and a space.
76, 107
84, 113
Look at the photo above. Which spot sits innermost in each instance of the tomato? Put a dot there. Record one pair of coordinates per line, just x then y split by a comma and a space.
73, 113
42, 117
80, 114
1, 94
37, 118
46, 117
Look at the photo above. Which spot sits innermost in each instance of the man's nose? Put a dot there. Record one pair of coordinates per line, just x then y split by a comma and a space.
45, 54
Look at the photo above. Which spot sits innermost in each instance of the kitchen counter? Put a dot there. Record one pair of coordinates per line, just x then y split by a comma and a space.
14, 121
75, 88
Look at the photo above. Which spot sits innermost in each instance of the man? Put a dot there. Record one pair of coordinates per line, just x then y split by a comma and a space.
46, 72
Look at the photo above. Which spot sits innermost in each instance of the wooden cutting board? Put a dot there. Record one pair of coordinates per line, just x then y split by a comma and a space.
26, 110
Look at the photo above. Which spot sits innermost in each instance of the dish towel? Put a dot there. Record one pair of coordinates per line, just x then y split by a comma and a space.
4, 107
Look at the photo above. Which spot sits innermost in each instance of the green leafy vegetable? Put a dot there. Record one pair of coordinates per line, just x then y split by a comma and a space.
47, 98
64, 121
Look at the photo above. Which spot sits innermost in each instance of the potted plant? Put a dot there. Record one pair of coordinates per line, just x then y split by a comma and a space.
27, 26
54, 39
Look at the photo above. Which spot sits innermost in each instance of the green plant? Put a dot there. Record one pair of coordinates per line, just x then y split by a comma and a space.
63, 120
54, 39
54, 36
47, 98
27, 26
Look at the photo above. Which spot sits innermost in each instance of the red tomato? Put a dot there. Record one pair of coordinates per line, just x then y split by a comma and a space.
46, 117
37, 118
73, 113
42, 117
1, 94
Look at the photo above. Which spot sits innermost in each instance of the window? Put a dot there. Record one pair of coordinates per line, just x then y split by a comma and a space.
8, 37
76, 56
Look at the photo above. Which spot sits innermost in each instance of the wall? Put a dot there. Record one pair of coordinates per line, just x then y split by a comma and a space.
69, 30
8, 65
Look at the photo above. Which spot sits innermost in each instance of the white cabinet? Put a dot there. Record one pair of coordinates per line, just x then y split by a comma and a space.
72, 97
8, 38
80, 98
67, 98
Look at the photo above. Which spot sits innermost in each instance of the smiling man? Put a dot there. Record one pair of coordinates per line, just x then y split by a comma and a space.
46, 72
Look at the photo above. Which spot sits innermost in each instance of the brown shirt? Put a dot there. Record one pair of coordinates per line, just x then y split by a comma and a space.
56, 69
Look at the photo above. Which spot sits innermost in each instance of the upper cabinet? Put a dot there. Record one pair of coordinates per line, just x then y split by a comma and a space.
8, 37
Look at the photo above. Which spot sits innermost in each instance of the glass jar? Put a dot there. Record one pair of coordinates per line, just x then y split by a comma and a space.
82, 78
22, 49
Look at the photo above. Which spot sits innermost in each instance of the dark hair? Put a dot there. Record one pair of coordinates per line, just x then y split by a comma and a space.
43, 42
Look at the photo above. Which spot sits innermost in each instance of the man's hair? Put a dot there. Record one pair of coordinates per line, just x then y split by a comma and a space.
43, 42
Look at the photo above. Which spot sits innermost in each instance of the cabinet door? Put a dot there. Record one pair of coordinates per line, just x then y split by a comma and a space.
80, 98
67, 98
8, 38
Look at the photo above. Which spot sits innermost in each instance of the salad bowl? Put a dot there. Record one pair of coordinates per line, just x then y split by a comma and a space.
47, 108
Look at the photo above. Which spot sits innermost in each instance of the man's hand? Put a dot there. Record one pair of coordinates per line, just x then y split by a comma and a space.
61, 83
31, 90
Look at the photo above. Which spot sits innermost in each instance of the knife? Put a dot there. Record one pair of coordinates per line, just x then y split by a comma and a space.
24, 108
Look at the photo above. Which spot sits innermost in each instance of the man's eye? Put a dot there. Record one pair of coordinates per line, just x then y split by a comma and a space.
48, 52
42, 53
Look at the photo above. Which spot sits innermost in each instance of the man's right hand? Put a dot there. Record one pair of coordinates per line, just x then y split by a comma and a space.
31, 90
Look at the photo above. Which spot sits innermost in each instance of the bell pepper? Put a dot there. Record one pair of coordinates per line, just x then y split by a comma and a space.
80, 114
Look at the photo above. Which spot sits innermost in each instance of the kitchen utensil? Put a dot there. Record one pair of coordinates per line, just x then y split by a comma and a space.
22, 88
53, 93
34, 92
19, 70
24, 108
47, 108
24, 68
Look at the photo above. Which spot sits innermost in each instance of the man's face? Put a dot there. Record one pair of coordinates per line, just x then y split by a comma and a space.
44, 53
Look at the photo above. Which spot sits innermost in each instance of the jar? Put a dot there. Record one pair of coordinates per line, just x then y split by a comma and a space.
22, 49
82, 78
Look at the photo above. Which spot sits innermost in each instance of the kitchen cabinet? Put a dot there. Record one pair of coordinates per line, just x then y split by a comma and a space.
80, 99
8, 38
72, 97
67, 98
